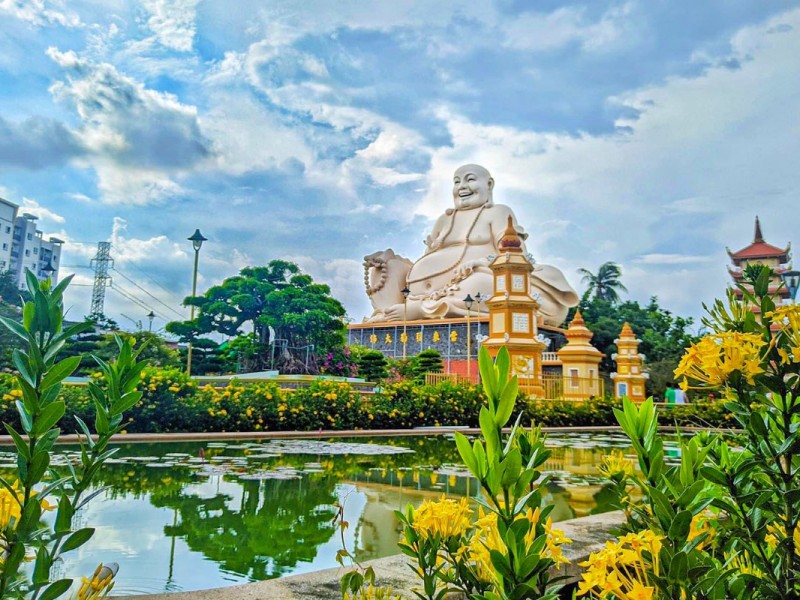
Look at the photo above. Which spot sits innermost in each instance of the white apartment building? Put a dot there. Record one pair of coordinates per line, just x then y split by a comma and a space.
22, 246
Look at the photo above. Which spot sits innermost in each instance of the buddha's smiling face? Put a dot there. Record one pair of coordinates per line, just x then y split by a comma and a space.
472, 186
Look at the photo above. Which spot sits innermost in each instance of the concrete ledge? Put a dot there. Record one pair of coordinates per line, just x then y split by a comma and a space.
588, 534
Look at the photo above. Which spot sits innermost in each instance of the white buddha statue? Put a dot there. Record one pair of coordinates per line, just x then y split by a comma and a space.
456, 262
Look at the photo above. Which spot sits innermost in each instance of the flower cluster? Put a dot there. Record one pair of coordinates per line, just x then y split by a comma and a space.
622, 569
711, 361
443, 519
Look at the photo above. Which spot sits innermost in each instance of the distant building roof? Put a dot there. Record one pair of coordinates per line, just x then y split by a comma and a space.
760, 249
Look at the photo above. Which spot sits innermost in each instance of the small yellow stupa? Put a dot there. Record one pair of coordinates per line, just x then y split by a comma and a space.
630, 376
580, 362
514, 313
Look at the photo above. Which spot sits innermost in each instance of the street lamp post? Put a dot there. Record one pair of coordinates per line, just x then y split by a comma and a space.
197, 240
468, 303
405, 291
479, 299
150, 316
791, 279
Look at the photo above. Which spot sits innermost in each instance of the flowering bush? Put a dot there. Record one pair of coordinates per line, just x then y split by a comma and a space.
508, 551
727, 517
340, 362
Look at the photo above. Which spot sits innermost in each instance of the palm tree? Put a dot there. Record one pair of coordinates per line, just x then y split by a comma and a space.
606, 284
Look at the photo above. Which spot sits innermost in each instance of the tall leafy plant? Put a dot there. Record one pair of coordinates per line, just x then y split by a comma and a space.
509, 550
40, 376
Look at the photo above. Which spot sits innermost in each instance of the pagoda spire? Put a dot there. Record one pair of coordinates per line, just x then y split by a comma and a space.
758, 237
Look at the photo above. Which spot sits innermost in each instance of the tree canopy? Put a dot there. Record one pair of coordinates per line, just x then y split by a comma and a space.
606, 284
278, 295
664, 336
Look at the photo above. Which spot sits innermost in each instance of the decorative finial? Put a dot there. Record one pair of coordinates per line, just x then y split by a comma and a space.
578, 318
510, 241
759, 237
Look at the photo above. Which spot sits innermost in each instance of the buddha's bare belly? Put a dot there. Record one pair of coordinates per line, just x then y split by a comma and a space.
437, 270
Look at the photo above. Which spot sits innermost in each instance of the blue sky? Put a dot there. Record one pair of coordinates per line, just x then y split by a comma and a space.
649, 133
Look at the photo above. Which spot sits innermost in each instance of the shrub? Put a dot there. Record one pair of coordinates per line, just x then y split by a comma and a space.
372, 365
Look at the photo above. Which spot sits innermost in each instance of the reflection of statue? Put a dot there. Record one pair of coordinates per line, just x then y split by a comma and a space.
456, 261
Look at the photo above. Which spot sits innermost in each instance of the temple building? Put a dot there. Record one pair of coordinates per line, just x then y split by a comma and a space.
762, 253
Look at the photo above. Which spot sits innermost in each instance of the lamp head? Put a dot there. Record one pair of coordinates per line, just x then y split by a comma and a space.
197, 240
405, 291
791, 279
468, 301
49, 268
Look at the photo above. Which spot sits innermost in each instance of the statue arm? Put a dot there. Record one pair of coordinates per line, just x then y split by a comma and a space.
433, 241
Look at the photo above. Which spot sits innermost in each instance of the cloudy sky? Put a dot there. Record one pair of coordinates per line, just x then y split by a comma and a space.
649, 133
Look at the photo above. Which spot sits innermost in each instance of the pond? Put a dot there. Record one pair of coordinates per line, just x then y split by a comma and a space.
194, 515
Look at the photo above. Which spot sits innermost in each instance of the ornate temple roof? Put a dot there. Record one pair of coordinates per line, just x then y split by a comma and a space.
760, 249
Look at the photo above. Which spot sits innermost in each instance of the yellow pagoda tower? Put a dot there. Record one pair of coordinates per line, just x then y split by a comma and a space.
580, 361
630, 376
513, 313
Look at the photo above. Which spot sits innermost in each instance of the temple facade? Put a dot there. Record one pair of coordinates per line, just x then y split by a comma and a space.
761, 253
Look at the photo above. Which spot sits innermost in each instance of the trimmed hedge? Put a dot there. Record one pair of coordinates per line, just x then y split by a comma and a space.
173, 403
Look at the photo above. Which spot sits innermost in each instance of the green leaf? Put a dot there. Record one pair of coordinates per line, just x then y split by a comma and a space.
14, 328
64, 515
714, 475
512, 465
56, 589
24, 417
466, 453
22, 446
60, 371
679, 530
20, 362
41, 569
77, 539
50, 415
678, 567
38, 467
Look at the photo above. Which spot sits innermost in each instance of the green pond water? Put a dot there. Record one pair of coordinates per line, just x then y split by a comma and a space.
195, 515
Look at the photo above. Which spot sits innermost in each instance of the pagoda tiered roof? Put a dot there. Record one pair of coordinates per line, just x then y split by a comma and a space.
760, 249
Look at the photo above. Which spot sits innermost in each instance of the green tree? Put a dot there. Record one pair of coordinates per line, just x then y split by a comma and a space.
427, 361
301, 312
664, 335
606, 284
9, 292
372, 365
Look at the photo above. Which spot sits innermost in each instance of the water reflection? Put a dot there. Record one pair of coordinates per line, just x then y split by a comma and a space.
185, 516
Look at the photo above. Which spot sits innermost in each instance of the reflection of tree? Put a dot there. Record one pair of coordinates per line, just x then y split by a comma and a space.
278, 524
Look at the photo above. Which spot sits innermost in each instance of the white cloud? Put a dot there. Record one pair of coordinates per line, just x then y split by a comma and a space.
173, 22
671, 259
41, 12
34, 208
721, 145
136, 138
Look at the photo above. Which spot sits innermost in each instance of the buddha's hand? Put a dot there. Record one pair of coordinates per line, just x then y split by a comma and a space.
468, 267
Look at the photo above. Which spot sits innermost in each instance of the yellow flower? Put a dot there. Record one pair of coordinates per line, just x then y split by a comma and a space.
444, 519
101, 583
713, 359
615, 464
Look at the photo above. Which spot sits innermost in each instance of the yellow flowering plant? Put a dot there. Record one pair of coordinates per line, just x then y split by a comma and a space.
728, 516
758, 372
510, 548
40, 408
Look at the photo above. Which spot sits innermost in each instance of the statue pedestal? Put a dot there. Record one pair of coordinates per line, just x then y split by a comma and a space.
447, 336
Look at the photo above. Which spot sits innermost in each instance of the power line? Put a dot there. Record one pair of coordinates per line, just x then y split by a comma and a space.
143, 272
146, 292
128, 295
